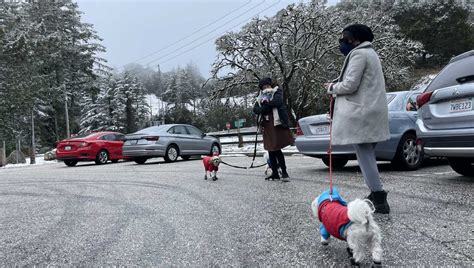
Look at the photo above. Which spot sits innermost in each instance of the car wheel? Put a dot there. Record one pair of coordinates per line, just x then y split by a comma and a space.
462, 166
102, 157
171, 153
215, 148
186, 157
140, 160
408, 157
115, 161
336, 162
70, 163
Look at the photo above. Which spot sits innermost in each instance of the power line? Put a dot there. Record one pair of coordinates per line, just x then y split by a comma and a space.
193, 33
214, 37
202, 36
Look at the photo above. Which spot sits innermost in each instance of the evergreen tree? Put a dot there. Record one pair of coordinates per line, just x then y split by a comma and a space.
444, 29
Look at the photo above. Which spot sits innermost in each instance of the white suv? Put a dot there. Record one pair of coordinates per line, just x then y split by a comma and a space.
445, 124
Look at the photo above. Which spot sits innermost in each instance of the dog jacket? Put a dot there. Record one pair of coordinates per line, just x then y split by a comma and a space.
208, 166
333, 215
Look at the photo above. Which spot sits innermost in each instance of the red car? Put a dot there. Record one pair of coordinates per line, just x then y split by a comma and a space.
99, 147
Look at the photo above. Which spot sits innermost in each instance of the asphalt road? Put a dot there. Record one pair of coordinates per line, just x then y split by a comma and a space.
166, 214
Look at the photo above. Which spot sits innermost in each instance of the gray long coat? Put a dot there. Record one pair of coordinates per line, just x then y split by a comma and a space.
360, 109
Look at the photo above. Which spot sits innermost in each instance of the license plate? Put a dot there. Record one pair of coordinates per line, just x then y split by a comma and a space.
67, 148
460, 106
320, 130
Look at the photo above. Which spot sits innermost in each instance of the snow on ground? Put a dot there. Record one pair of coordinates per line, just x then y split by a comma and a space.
156, 104
227, 150
248, 149
39, 161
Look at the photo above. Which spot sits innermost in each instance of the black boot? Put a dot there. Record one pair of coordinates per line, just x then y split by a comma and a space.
273, 176
380, 202
370, 197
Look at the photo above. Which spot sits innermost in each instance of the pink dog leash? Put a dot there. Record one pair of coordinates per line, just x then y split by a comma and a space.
331, 99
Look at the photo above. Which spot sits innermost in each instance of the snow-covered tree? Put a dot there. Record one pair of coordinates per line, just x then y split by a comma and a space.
119, 105
298, 47
444, 29
46, 52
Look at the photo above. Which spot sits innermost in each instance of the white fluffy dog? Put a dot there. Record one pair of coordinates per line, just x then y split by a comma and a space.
266, 157
353, 223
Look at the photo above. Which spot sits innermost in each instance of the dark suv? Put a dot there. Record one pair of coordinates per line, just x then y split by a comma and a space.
445, 125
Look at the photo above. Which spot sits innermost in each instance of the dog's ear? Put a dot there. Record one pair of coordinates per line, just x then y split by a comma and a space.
371, 205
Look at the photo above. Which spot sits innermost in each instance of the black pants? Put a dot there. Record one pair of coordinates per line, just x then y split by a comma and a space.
277, 159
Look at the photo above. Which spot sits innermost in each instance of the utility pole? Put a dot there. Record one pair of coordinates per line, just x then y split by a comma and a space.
18, 150
33, 151
4, 155
66, 112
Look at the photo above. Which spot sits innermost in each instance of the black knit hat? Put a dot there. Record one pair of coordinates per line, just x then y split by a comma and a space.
264, 81
360, 32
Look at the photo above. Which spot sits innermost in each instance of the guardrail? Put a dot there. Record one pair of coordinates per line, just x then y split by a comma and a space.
239, 136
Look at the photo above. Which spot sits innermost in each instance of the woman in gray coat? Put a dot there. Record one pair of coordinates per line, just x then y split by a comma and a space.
360, 114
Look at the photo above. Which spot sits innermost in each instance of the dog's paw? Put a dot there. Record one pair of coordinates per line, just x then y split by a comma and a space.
354, 263
377, 264
324, 242
349, 251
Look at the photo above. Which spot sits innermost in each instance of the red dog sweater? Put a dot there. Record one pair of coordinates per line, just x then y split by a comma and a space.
334, 217
208, 166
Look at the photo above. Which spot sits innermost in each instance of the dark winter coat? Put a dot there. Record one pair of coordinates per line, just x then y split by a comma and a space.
274, 137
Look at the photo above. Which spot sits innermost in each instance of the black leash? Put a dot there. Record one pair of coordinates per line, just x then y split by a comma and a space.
254, 153
234, 166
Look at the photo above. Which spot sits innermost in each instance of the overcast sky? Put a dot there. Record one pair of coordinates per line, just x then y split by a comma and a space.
170, 33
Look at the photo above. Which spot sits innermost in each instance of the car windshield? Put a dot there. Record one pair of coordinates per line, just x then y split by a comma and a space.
154, 129
392, 105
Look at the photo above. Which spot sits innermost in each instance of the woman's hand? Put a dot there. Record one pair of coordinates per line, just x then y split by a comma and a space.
328, 86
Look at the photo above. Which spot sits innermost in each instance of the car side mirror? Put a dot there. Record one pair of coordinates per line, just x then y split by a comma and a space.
203, 135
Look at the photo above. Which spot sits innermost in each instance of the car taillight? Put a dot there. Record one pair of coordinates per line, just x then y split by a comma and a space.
84, 144
423, 99
151, 138
299, 132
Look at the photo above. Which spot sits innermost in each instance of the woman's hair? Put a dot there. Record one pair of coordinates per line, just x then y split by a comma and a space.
360, 32
267, 81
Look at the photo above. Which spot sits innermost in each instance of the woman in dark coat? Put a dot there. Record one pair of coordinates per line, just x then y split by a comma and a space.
273, 117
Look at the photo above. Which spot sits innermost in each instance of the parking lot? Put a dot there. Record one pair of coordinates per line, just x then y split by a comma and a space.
166, 214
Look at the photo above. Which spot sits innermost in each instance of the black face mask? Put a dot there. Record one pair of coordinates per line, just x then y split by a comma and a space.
345, 47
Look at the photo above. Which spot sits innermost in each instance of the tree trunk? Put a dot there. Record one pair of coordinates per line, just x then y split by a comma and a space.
129, 114
289, 104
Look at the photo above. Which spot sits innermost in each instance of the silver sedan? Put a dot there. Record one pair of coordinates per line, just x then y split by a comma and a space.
169, 141
446, 122
313, 136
